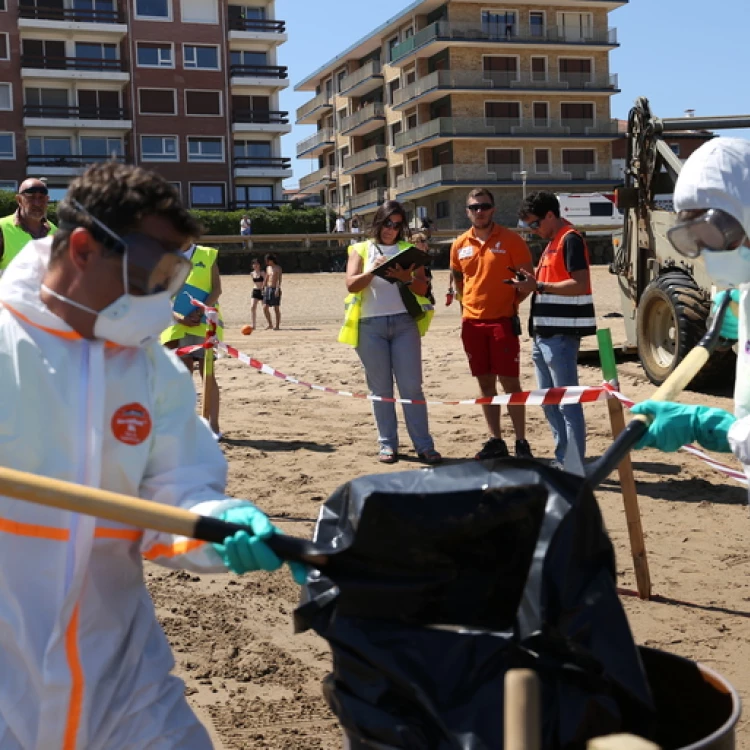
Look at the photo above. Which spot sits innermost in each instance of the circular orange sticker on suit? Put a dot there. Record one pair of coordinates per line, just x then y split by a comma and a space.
131, 424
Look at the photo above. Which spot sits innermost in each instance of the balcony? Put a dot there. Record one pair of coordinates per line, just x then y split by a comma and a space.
435, 85
455, 175
82, 22
260, 121
264, 76
369, 118
441, 34
73, 68
449, 128
49, 116
262, 166
68, 164
367, 160
369, 199
257, 30
273, 204
316, 181
309, 113
316, 144
362, 81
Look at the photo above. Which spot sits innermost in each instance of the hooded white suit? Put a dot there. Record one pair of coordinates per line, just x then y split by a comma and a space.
84, 662
717, 175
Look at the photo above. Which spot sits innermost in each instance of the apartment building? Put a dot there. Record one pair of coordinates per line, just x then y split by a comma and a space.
188, 88
454, 94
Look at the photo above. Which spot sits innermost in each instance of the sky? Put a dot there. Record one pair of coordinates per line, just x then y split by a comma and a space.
680, 54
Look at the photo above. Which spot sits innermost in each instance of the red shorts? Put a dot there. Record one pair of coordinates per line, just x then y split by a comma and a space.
492, 347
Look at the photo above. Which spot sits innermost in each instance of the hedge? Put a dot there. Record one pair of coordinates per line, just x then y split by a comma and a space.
285, 220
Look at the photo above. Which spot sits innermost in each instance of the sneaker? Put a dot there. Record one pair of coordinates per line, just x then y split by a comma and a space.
523, 449
493, 448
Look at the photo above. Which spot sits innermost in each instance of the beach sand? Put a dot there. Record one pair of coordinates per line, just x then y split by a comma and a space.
255, 683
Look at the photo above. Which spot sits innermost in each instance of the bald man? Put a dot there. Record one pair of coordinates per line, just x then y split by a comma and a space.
29, 222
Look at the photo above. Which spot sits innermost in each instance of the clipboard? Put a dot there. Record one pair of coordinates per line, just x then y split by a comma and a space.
411, 256
182, 304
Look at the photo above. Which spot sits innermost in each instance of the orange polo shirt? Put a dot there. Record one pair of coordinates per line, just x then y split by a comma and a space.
485, 267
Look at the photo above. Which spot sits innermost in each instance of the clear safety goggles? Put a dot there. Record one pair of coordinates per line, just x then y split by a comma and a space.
713, 230
148, 267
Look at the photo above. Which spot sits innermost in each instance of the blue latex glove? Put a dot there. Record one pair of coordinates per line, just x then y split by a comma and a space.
676, 425
730, 326
244, 552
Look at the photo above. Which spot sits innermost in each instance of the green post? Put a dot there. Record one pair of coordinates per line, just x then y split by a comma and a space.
607, 355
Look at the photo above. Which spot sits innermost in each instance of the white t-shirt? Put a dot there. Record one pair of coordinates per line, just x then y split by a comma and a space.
340, 225
381, 297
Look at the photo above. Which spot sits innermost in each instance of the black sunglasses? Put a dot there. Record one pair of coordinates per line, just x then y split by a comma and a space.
35, 191
388, 224
534, 224
480, 207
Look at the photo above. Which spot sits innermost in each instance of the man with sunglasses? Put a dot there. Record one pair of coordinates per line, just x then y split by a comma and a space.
29, 222
483, 261
91, 397
712, 198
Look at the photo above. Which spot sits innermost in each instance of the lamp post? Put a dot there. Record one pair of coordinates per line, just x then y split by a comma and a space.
524, 174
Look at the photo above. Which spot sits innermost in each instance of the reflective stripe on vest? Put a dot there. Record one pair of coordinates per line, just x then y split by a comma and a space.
15, 238
554, 314
200, 277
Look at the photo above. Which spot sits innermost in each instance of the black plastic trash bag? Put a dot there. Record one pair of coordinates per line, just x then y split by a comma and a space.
444, 580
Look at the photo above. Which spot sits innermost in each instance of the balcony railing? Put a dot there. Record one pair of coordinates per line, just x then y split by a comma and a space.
262, 162
322, 100
72, 161
72, 15
260, 117
496, 79
518, 34
319, 177
272, 204
257, 24
324, 136
71, 63
74, 113
368, 70
455, 127
371, 154
370, 198
258, 71
373, 111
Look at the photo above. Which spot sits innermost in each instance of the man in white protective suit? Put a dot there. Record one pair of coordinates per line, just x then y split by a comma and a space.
90, 396
712, 197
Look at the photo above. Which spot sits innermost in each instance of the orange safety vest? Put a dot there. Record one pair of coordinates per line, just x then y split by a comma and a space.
554, 314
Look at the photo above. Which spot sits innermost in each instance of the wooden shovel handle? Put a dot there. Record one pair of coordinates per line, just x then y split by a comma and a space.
523, 715
144, 514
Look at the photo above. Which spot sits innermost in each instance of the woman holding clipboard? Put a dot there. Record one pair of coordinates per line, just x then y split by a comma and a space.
386, 316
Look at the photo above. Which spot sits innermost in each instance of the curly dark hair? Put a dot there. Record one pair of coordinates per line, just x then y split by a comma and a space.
120, 196
386, 210
539, 204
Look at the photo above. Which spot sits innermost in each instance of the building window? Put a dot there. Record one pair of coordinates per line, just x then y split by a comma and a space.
154, 9
391, 46
6, 97
199, 11
159, 148
538, 68
395, 130
675, 148
157, 101
200, 57
154, 55
46, 102
504, 162
541, 160
249, 196
49, 146
4, 47
99, 105
576, 27
578, 162
3, 6
10, 185
499, 25
502, 71
252, 150
340, 79
207, 194
248, 59
577, 116
204, 103
205, 149
575, 72
536, 23
541, 114
393, 87
7, 146
503, 115
442, 209
95, 51
101, 146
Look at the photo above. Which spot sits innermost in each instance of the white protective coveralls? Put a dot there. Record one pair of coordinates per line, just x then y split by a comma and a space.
717, 175
85, 663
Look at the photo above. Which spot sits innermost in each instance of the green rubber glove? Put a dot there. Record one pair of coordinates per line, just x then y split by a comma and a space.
730, 326
676, 425
246, 551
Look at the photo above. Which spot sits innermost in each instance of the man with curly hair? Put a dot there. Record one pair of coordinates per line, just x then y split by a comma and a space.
91, 397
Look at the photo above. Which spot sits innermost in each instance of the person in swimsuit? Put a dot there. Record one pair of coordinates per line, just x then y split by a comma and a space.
272, 291
259, 281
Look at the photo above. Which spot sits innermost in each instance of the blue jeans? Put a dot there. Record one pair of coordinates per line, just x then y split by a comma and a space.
390, 346
556, 363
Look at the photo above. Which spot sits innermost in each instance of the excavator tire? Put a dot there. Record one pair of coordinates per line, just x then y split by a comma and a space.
672, 315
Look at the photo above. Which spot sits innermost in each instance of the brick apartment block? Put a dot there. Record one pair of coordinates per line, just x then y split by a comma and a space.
450, 95
189, 88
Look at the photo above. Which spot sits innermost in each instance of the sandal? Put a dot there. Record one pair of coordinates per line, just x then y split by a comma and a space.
387, 455
430, 457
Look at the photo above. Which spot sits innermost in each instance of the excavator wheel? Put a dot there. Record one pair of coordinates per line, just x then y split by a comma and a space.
672, 316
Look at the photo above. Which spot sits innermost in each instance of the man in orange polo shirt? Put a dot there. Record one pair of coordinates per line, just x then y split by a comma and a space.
482, 260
